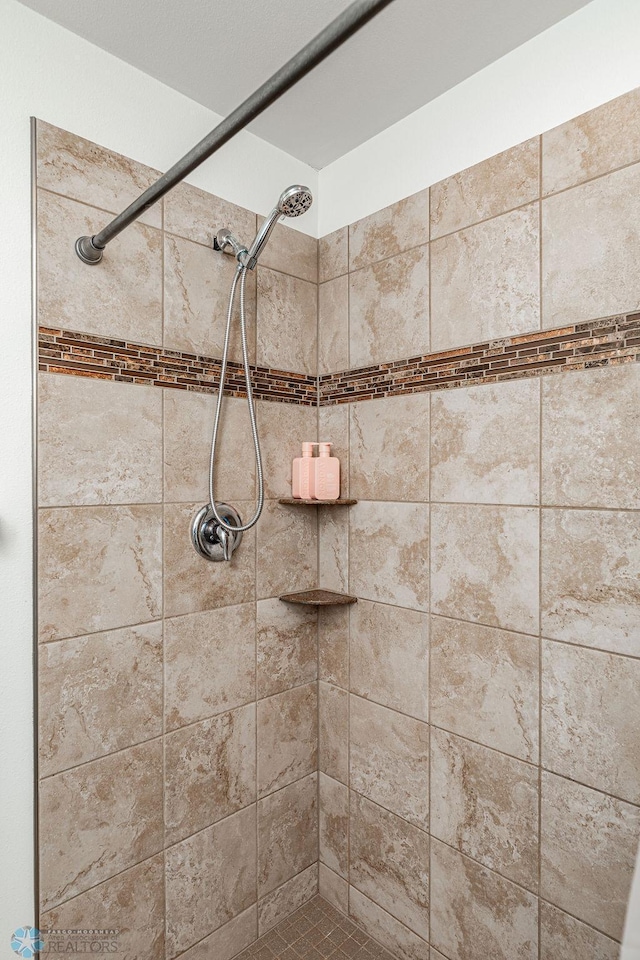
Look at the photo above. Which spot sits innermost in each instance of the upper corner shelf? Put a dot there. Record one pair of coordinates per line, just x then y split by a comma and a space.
318, 598
296, 502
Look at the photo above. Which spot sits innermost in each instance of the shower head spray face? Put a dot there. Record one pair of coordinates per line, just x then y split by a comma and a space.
295, 201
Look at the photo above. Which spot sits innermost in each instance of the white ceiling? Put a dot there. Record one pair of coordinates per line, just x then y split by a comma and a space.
218, 51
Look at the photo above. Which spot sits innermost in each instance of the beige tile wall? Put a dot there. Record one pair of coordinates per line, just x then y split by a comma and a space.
475, 784
178, 699
480, 705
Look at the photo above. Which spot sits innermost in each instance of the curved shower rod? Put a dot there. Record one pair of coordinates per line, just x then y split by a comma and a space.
90, 249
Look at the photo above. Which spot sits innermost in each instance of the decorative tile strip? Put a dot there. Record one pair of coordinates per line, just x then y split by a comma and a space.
83, 355
583, 346
597, 343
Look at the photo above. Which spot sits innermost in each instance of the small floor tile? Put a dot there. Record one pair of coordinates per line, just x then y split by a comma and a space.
316, 931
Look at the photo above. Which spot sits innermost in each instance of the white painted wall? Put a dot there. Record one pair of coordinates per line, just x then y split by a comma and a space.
581, 62
47, 72
50, 73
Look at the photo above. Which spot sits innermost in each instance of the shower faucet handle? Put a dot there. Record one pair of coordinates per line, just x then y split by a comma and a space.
209, 538
227, 540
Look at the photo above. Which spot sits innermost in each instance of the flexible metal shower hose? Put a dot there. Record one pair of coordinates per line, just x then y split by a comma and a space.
241, 272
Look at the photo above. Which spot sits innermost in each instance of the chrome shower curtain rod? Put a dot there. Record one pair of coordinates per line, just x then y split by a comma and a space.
90, 249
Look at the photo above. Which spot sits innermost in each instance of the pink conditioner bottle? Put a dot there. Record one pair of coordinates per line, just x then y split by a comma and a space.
301, 473
325, 475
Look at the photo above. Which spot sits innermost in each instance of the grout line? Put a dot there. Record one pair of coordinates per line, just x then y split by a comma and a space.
540, 698
109, 213
585, 508
162, 549
428, 626
82, 893
319, 617
104, 756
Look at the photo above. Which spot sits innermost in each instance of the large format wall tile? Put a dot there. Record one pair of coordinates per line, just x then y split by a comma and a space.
390, 863
389, 657
210, 663
191, 583
333, 254
489, 188
583, 279
283, 428
485, 281
98, 442
333, 888
282, 902
389, 453
588, 848
484, 565
227, 941
85, 171
334, 825
333, 732
121, 298
333, 428
591, 578
389, 309
386, 929
333, 549
99, 819
210, 771
333, 645
484, 686
287, 737
476, 914
389, 231
188, 424
591, 718
291, 251
197, 215
389, 553
287, 833
562, 936
98, 694
287, 555
591, 438
333, 325
287, 322
593, 144
486, 805
197, 285
287, 646
485, 443
389, 760
211, 878
131, 903
108, 559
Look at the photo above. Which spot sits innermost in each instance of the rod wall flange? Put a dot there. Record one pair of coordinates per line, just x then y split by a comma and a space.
87, 252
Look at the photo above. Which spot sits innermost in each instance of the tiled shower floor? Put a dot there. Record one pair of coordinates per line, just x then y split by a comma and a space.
315, 932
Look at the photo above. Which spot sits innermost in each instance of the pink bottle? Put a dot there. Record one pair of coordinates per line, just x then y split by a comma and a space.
301, 473
325, 475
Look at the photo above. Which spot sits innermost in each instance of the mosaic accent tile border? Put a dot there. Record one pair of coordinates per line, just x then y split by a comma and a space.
83, 355
596, 343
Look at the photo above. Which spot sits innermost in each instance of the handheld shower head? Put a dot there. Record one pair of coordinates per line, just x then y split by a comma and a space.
293, 202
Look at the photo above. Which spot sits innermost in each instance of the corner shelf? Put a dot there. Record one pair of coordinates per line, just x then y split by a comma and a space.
296, 502
319, 598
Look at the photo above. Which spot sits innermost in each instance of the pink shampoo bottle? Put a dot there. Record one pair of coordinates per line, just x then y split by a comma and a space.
325, 475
